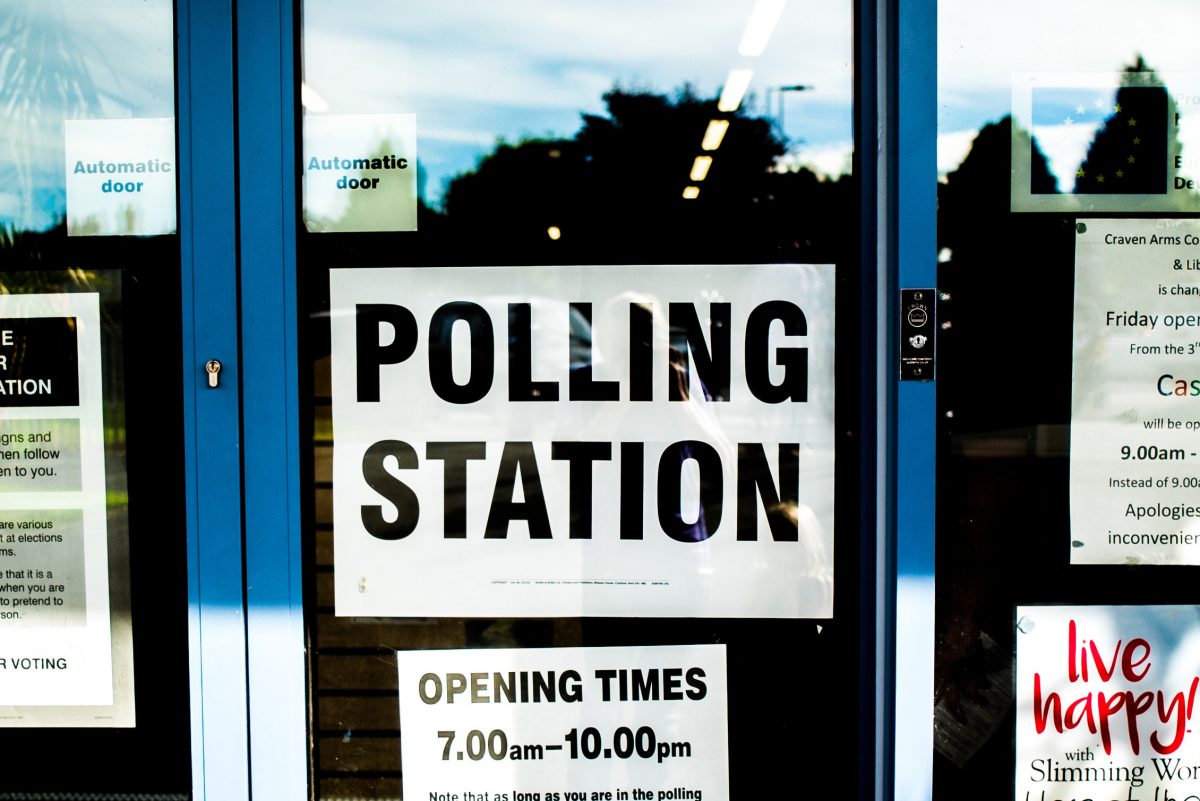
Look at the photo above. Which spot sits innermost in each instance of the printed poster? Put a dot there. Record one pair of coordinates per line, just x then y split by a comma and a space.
565, 724
1106, 700
1095, 142
1135, 393
56, 649
360, 172
619, 441
120, 177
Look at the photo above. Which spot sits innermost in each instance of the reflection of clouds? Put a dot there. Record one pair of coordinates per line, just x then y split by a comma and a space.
660, 43
981, 46
480, 73
1065, 147
76, 60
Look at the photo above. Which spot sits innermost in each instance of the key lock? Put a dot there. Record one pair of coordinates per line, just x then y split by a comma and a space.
213, 368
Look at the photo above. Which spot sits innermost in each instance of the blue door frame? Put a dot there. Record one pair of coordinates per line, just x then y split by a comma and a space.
237, 183
241, 438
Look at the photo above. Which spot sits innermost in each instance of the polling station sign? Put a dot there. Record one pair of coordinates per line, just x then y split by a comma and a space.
583, 441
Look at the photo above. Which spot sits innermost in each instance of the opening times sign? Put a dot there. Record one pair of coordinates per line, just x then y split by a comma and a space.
1135, 406
565, 724
584, 441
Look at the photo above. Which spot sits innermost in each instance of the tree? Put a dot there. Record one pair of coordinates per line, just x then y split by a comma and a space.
614, 192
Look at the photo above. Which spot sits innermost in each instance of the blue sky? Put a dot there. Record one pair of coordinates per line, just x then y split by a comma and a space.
982, 45
477, 73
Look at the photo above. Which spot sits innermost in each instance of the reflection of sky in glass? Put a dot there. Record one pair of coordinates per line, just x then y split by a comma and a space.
980, 46
476, 73
71, 59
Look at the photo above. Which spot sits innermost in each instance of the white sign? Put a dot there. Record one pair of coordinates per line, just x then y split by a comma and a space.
120, 177
1106, 696
565, 724
584, 441
360, 172
1088, 142
55, 642
1135, 405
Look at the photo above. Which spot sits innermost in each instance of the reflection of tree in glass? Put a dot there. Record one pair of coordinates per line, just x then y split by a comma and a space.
616, 188
44, 79
1129, 152
979, 188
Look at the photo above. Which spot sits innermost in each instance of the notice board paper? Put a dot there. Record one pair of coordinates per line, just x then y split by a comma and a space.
54, 582
583, 441
565, 724
1135, 393
1105, 702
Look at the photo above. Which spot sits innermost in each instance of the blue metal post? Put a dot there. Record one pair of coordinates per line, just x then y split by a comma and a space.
270, 406
916, 73
212, 438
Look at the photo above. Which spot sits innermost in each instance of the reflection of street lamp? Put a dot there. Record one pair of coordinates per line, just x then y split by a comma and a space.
798, 87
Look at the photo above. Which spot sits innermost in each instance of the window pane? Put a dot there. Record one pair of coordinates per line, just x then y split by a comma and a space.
505, 154
93, 576
1059, 124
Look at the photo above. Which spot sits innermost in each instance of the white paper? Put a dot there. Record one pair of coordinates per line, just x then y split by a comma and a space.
1135, 413
55, 641
565, 724
1105, 702
360, 172
716, 568
120, 177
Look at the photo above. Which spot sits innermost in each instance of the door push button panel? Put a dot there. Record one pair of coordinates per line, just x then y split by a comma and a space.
918, 324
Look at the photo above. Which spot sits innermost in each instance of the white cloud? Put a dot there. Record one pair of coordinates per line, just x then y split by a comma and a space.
952, 148
1065, 147
980, 45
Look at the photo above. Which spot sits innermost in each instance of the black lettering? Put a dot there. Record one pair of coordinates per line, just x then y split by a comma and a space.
579, 457
670, 491
518, 456
521, 386
369, 354
695, 680
672, 677
606, 676
455, 455
392, 489
794, 361
754, 482
712, 367
441, 361
581, 386
641, 352
645, 685
633, 471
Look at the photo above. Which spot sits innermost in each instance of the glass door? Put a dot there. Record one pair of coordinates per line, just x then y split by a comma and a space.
1067, 233
583, 509
122, 608
94, 650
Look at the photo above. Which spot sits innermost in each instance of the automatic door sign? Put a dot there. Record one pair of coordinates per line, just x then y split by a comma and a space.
1106, 702
56, 660
565, 724
1135, 405
584, 441
360, 172
120, 177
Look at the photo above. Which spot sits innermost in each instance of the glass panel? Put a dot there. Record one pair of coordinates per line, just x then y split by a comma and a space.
1065, 146
484, 160
93, 627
